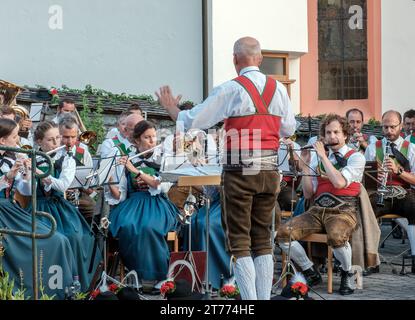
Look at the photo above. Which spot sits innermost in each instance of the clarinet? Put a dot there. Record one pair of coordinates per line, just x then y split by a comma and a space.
382, 189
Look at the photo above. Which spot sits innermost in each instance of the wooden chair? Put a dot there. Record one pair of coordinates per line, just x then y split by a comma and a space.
318, 238
389, 216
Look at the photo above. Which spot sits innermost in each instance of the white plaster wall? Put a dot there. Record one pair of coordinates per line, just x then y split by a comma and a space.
279, 25
398, 59
131, 46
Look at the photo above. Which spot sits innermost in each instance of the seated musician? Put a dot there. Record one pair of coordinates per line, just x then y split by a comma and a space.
69, 130
401, 173
9, 113
357, 140
56, 250
409, 125
117, 131
50, 191
144, 215
66, 107
335, 206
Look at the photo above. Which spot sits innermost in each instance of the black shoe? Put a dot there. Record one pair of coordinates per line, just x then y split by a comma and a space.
368, 271
346, 283
312, 276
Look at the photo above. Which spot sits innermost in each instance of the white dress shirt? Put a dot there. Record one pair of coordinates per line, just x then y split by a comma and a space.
231, 100
66, 176
352, 172
87, 161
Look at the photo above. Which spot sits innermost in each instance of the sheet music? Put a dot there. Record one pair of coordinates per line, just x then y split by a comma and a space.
81, 180
35, 111
103, 171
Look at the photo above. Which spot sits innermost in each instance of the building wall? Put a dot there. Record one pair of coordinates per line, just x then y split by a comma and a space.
310, 103
122, 46
398, 47
279, 25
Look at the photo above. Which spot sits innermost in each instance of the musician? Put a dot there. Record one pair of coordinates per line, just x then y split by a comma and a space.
50, 191
69, 129
358, 140
248, 198
56, 250
66, 106
335, 206
116, 131
401, 173
143, 216
9, 113
409, 125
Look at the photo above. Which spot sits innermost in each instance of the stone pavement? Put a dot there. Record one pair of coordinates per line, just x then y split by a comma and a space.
388, 284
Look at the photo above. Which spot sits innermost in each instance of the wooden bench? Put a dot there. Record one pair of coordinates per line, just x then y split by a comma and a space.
318, 238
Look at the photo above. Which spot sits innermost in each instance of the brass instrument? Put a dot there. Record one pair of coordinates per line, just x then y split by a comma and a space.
86, 137
8, 93
21, 114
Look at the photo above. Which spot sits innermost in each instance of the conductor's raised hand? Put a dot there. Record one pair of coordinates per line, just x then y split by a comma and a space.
168, 101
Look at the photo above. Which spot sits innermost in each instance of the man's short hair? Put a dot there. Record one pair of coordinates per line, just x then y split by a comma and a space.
134, 106
187, 105
68, 122
409, 114
395, 113
354, 110
66, 100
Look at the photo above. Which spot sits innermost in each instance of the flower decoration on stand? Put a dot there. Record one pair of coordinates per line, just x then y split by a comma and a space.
299, 290
229, 291
55, 97
167, 287
112, 287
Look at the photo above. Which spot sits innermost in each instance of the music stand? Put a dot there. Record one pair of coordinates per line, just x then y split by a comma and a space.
295, 174
191, 181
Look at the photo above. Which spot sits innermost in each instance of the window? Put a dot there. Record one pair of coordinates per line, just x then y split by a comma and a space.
276, 65
342, 51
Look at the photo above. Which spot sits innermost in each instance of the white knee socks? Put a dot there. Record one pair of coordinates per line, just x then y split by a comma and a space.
344, 255
264, 268
298, 254
245, 278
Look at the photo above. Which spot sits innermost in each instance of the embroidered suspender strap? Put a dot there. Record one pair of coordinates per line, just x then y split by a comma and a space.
79, 153
257, 99
120, 146
404, 148
412, 138
269, 91
379, 151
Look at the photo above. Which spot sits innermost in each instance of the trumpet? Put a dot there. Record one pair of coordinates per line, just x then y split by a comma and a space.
88, 137
21, 114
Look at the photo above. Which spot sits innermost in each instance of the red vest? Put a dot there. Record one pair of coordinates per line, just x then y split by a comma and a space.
260, 130
324, 185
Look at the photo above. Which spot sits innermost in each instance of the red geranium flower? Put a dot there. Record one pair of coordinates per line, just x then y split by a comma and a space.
167, 287
299, 289
229, 291
53, 91
113, 287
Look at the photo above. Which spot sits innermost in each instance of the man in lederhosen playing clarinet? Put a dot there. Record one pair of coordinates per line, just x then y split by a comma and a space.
400, 167
257, 111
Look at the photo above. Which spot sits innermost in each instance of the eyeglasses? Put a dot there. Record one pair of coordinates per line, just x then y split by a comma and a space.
393, 127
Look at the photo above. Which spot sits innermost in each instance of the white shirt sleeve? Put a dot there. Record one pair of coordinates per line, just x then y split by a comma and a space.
370, 152
353, 172
122, 186
107, 148
65, 178
288, 122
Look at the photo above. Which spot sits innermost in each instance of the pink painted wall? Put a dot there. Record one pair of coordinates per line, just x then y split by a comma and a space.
309, 102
